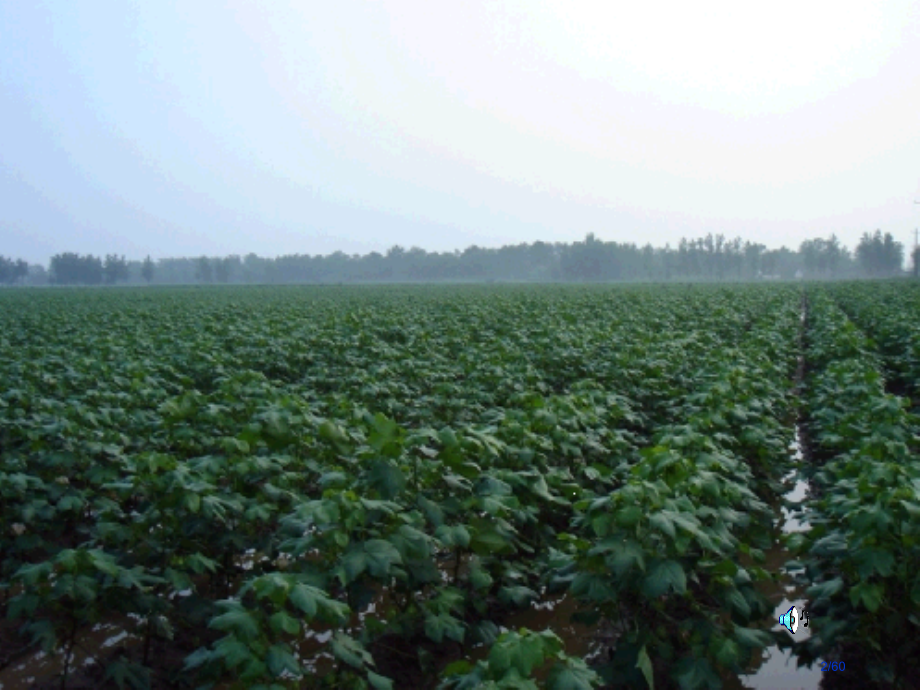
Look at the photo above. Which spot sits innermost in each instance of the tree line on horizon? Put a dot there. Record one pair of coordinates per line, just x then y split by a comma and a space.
709, 258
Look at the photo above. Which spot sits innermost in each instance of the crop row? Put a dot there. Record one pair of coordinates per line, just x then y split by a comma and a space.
862, 554
890, 314
659, 556
281, 485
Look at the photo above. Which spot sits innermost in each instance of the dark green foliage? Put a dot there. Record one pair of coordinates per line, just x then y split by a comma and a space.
279, 474
862, 555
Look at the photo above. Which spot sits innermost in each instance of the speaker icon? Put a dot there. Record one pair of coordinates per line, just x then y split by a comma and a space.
790, 619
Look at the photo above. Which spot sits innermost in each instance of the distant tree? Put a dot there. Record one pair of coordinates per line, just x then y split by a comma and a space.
648, 261
93, 269
915, 255
254, 269
587, 260
667, 262
203, 271
221, 270
147, 269
782, 262
20, 270
72, 269
879, 255
473, 262
234, 267
7, 271
893, 253
37, 275
834, 253
115, 269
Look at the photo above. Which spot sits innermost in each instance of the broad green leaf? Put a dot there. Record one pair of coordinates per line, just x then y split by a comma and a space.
279, 659
571, 675
662, 576
350, 651
379, 682
644, 664
282, 622
236, 620
381, 555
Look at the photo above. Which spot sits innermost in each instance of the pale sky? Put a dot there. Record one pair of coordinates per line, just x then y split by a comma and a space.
189, 128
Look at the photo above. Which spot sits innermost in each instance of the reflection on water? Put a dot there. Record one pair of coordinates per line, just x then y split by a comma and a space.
40, 667
791, 521
777, 669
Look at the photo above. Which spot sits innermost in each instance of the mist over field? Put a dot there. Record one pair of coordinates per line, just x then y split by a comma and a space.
216, 129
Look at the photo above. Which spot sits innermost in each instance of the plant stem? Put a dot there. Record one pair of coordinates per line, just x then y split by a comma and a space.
147, 638
457, 556
69, 650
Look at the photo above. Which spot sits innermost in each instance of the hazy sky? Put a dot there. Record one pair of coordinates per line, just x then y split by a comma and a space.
188, 128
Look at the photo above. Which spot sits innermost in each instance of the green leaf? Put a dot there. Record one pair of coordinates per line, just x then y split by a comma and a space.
354, 562
752, 638
350, 651
480, 578
629, 516
317, 604
662, 522
333, 480
258, 512
662, 576
279, 659
232, 651
738, 603
870, 594
199, 563
644, 664
726, 652
825, 589
43, 633
443, 624
726, 567
379, 682
192, 502
304, 597
625, 556
433, 512
282, 622
457, 668
236, 620
388, 479
31, 574
487, 540
179, 580
875, 560
519, 651
453, 535
200, 656
70, 503
126, 674
571, 675
381, 555
696, 673
516, 594
331, 432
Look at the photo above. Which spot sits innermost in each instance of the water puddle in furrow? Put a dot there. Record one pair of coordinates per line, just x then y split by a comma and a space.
91, 644
776, 669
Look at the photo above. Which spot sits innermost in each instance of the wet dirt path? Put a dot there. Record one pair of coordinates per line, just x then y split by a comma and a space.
776, 669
